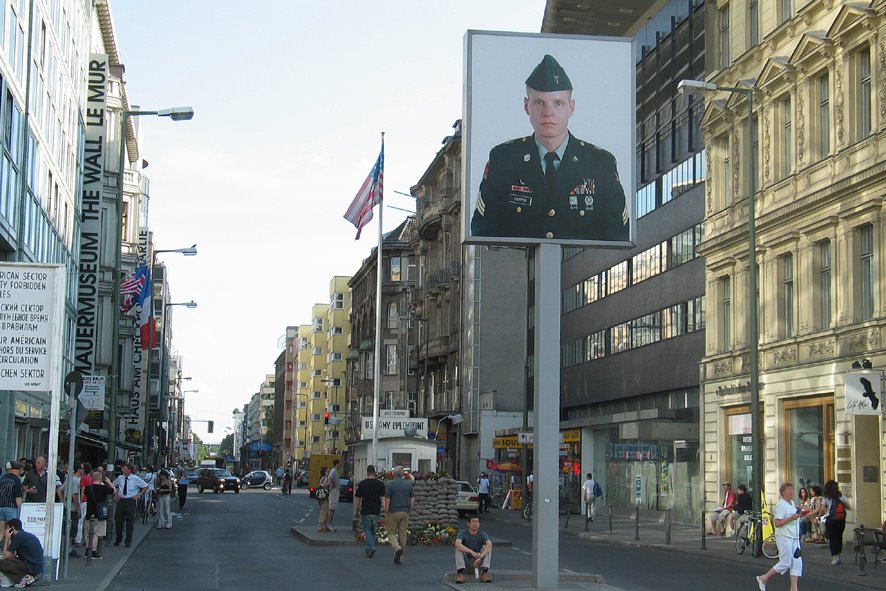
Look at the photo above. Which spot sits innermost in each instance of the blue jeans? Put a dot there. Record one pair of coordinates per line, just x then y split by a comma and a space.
370, 526
7, 513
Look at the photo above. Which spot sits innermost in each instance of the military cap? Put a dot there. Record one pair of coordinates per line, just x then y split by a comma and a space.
548, 76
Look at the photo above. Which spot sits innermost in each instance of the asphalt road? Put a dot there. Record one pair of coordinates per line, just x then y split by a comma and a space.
242, 541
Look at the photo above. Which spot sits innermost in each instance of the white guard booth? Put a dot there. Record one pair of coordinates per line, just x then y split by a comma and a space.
415, 454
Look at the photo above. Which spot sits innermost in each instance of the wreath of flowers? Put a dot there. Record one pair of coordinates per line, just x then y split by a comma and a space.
434, 534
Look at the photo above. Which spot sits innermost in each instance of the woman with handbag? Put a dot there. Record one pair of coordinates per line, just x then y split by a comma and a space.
787, 537
322, 494
164, 491
97, 512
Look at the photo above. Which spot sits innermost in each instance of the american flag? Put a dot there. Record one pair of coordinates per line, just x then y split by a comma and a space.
132, 286
360, 211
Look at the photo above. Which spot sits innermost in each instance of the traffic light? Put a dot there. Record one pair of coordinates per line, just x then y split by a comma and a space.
325, 418
210, 425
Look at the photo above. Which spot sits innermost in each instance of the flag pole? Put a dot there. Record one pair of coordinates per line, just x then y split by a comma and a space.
376, 377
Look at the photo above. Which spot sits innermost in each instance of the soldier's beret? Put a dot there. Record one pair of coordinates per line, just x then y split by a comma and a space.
549, 76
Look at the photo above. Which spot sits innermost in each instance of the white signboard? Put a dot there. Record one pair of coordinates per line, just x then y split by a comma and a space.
388, 413
864, 392
28, 296
394, 427
33, 516
93, 395
527, 438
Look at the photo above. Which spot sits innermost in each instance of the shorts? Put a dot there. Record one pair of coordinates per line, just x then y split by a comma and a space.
101, 527
333, 499
7, 513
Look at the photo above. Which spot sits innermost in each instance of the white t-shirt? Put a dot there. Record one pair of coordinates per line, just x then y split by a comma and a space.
484, 486
783, 510
588, 488
150, 479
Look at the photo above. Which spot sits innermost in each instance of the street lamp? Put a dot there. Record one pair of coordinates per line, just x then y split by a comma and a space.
164, 371
456, 419
175, 114
697, 88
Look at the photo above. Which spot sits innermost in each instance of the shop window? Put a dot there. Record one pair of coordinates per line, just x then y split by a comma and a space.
739, 446
809, 444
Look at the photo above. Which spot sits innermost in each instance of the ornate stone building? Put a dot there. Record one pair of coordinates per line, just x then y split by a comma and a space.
818, 72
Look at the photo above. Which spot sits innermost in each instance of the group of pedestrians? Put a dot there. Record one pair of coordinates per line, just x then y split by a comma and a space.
395, 500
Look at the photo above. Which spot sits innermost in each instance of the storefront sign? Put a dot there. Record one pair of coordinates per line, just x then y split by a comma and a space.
395, 427
387, 413
734, 389
864, 392
527, 439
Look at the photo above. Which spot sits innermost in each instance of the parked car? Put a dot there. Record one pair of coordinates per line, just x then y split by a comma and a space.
303, 479
257, 479
217, 480
468, 500
345, 490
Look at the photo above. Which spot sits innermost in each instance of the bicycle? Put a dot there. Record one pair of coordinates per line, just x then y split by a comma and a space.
527, 507
148, 504
747, 535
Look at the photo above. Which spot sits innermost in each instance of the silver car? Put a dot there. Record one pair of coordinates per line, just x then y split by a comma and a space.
468, 500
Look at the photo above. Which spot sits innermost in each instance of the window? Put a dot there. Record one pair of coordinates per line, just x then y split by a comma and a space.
824, 284
388, 402
864, 93
337, 301
809, 440
724, 151
317, 351
390, 360
787, 294
393, 316
724, 36
618, 277
866, 242
753, 22
395, 269
823, 121
787, 137
317, 372
784, 10
725, 314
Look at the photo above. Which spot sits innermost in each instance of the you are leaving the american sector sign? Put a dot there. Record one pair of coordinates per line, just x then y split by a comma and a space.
31, 307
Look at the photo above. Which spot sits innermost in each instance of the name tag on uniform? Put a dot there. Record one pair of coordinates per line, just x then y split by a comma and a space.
523, 200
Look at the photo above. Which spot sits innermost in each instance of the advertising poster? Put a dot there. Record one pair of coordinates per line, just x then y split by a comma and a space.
531, 99
864, 392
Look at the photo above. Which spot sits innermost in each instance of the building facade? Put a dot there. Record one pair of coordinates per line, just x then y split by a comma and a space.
819, 83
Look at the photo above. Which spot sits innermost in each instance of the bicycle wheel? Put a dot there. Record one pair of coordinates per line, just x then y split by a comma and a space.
752, 539
527, 511
770, 548
741, 538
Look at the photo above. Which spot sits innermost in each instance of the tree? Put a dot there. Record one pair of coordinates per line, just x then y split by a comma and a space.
226, 447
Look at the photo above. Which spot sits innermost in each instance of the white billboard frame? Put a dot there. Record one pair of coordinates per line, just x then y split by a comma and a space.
496, 67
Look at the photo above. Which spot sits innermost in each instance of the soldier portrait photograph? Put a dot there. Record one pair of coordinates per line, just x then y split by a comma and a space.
553, 184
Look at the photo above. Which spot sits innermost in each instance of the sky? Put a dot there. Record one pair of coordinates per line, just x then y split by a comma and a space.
290, 99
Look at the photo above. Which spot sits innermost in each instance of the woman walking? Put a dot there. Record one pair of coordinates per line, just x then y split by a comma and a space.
183, 483
834, 505
787, 538
324, 502
164, 492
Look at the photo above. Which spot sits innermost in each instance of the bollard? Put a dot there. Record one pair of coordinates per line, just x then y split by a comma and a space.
704, 532
860, 558
610, 519
668, 528
637, 523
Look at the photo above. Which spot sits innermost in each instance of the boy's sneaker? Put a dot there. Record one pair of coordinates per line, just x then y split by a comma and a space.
25, 582
96, 556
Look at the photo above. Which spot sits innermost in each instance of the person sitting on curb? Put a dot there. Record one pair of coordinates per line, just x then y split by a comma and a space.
22, 561
720, 515
476, 544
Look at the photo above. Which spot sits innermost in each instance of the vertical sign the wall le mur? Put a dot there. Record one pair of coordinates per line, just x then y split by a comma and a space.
90, 220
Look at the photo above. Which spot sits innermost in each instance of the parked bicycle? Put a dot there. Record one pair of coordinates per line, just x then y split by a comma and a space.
527, 507
747, 535
147, 505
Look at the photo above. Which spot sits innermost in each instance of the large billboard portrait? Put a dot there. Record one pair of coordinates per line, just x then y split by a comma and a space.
548, 139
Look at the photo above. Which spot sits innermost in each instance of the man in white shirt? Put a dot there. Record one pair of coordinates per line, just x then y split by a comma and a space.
589, 492
129, 487
483, 487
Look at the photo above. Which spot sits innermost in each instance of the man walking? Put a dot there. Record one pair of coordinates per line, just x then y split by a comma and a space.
398, 501
129, 487
10, 494
367, 502
483, 488
473, 543
334, 483
589, 491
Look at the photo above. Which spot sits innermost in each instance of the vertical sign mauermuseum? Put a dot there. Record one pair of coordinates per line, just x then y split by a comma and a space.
86, 338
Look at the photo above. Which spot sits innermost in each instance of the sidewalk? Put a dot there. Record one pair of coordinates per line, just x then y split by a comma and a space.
98, 574
687, 540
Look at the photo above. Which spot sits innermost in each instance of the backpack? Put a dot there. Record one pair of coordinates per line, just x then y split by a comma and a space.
838, 510
322, 492
598, 492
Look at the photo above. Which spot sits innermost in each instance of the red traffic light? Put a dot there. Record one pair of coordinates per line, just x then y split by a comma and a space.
325, 418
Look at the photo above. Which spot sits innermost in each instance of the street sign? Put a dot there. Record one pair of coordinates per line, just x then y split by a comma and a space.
526, 438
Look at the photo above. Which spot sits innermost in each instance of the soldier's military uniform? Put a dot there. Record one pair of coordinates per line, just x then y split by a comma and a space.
582, 200
588, 202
